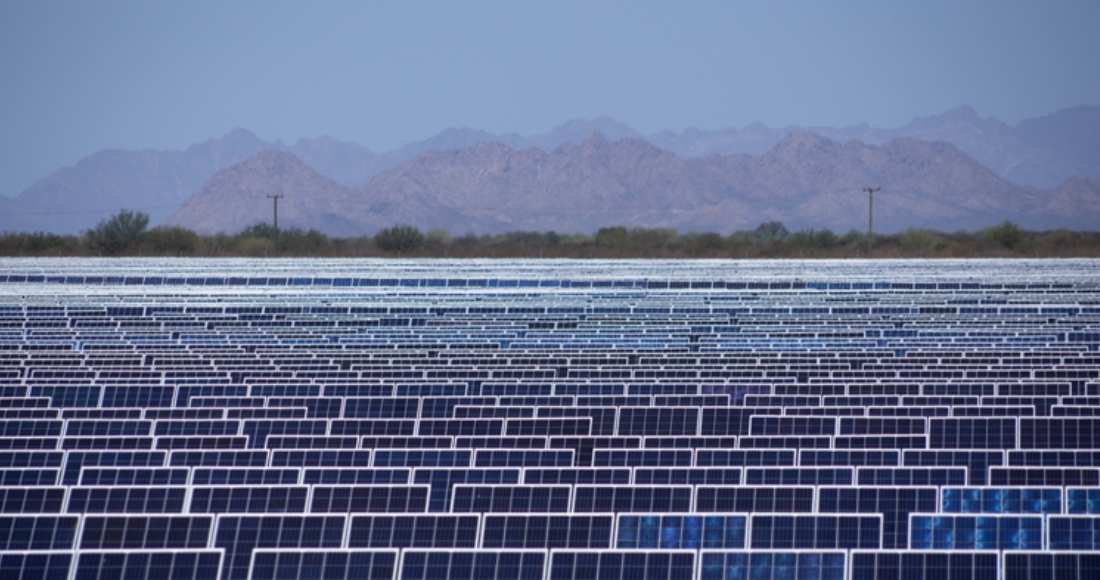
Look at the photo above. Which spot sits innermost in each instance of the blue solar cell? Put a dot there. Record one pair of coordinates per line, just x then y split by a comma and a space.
985, 532
676, 531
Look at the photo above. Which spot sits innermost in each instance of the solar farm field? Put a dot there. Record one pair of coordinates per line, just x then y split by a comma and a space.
542, 419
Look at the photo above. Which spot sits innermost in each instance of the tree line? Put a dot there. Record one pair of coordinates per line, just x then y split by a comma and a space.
127, 234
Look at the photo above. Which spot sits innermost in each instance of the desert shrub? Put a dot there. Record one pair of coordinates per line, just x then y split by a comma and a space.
260, 230
399, 238
770, 232
1007, 234
44, 242
295, 241
704, 243
915, 240
117, 233
811, 238
172, 240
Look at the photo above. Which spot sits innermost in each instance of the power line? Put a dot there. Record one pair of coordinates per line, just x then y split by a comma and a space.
871, 219
275, 198
104, 211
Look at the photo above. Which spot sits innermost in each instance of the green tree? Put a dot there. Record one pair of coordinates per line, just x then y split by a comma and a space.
260, 230
615, 238
770, 232
172, 240
299, 242
117, 233
42, 242
811, 238
1006, 234
918, 241
702, 244
399, 238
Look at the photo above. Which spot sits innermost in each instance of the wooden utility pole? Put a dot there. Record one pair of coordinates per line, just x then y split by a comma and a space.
275, 198
871, 219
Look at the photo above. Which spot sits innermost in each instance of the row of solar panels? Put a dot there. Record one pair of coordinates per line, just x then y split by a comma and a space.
61, 368
651, 308
917, 269
409, 494
412, 564
664, 530
346, 282
894, 505
438, 399
248, 558
753, 422
39, 457
651, 472
333, 408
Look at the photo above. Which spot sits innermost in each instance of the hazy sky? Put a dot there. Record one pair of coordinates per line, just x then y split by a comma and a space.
79, 76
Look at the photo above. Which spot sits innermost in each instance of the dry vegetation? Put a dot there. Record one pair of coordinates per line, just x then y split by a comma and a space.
125, 235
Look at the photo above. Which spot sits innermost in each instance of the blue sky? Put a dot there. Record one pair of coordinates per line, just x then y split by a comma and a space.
76, 77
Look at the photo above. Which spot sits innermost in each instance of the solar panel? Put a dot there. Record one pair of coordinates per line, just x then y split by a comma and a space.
243, 476
814, 532
420, 531
811, 565
507, 564
636, 498
38, 532
668, 564
32, 500
510, 498
1051, 564
329, 564
239, 535
985, 532
687, 475
443, 480
1073, 532
993, 500
369, 499
548, 419
271, 499
148, 564
577, 476
1060, 476
544, 531
145, 532
869, 565
681, 531
36, 565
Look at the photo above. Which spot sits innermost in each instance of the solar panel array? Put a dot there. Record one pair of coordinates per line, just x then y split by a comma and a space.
368, 419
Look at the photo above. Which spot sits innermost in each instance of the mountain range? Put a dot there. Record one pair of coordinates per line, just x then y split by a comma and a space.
805, 181
947, 171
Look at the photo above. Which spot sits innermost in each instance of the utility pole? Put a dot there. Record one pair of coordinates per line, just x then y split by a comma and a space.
870, 219
275, 198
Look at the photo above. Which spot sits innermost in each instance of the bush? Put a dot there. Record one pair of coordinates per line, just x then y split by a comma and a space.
117, 233
399, 238
1007, 234
172, 241
915, 240
42, 242
297, 242
770, 232
813, 239
705, 243
439, 237
260, 230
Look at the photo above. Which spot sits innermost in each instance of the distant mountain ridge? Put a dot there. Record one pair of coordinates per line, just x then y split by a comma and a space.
805, 181
1041, 152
